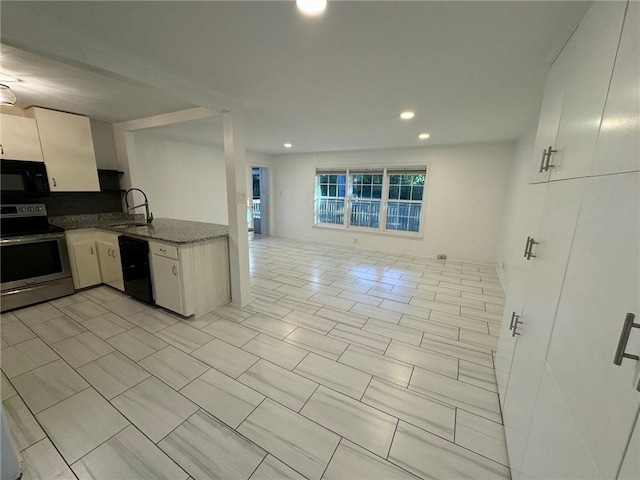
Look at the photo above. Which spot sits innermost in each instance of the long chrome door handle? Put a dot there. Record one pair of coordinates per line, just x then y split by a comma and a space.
624, 339
529, 253
515, 327
544, 156
514, 317
550, 151
526, 247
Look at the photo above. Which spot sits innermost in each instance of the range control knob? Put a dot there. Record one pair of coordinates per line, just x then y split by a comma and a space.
22, 209
38, 209
28, 209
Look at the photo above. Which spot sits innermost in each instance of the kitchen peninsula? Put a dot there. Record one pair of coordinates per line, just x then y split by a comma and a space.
189, 261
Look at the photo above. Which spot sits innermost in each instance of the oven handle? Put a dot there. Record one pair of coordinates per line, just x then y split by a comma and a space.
45, 237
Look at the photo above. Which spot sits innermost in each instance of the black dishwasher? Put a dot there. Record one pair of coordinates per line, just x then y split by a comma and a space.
134, 255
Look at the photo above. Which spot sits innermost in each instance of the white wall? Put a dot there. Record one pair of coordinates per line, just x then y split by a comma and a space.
466, 191
184, 179
103, 145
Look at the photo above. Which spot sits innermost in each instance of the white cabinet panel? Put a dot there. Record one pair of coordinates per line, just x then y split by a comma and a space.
110, 265
67, 148
554, 449
167, 283
506, 345
550, 113
528, 225
562, 205
619, 138
630, 469
601, 285
594, 45
87, 269
19, 138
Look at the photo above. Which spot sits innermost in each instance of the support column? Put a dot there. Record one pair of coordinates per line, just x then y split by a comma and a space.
236, 168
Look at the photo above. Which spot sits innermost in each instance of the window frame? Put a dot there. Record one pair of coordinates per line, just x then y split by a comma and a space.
384, 200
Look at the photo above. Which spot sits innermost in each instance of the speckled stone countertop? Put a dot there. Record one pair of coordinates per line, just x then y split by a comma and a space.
161, 229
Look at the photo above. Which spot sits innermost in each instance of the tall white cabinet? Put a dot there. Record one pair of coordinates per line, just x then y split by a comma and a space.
569, 411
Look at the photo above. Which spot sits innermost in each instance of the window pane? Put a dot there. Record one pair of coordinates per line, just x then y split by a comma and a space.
416, 193
324, 190
405, 192
365, 213
333, 178
376, 192
418, 179
394, 192
377, 179
404, 216
330, 211
366, 179
366, 191
394, 179
332, 190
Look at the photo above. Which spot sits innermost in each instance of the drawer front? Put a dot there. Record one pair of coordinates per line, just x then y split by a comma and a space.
163, 250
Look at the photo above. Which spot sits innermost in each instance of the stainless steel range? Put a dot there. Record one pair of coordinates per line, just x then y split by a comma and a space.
34, 260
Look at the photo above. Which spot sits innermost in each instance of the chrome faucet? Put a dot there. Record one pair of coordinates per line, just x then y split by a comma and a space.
148, 215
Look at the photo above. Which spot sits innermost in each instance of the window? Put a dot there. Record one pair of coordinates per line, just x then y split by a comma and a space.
377, 199
330, 197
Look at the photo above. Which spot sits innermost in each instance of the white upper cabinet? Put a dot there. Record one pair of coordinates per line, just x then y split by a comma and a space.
600, 288
593, 52
619, 139
67, 147
19, 138
550, 112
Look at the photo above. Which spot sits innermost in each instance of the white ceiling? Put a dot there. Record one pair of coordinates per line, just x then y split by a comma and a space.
472, 71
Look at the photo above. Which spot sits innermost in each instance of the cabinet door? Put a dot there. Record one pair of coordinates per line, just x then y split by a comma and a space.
86, 264
167, 284
619, 137
560, 214
506, 345
19, 139
555, 450
601, 286
594, 46
106, 262
550, 112
67, 147
118, 280
630, 469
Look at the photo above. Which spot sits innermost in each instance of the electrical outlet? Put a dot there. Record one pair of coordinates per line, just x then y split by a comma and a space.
442, 257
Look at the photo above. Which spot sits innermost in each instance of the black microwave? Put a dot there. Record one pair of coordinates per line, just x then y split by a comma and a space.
20, 179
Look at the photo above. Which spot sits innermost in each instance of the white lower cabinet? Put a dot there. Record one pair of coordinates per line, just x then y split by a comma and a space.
507, 344
167, 284
87, 268
601, 287
109, 256
630, 468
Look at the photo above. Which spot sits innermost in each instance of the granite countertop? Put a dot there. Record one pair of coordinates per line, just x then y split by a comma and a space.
161, 229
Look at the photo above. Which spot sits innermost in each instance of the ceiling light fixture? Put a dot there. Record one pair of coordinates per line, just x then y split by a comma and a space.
288, 145
423, 136
312, 8
407, 115
7, 97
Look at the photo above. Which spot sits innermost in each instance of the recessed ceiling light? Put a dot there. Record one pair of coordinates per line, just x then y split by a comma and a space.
288, 145
423, 136
312, 8
407, 115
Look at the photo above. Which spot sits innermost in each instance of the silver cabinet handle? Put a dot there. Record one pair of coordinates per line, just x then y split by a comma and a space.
54, 182
545, 164
514, 317
91, 249
528, 254
1, 149
175, 271
516, 322
163, 250
624, 339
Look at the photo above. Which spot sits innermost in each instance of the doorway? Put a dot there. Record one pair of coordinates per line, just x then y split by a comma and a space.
260, 200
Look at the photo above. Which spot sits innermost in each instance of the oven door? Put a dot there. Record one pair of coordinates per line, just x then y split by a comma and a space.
33, 259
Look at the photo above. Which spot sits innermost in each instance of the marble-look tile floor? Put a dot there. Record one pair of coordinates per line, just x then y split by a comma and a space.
348, 364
